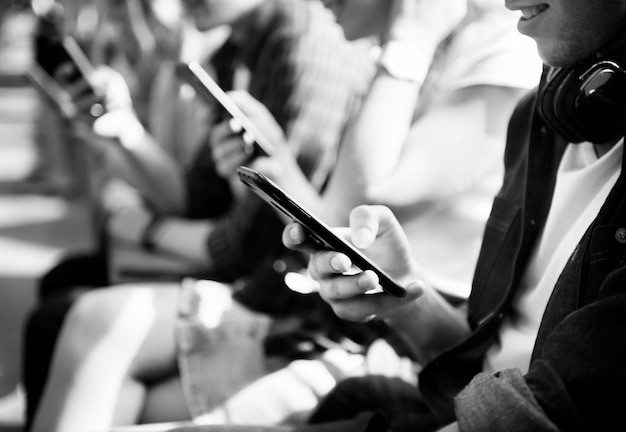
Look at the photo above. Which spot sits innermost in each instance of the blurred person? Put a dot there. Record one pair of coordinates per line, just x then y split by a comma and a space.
125, 35
440, 102
177, 126
311, 79
294, 390
54, 157
540, 344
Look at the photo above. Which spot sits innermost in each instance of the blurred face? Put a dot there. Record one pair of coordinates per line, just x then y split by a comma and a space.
567, 31
208, 14
360, 18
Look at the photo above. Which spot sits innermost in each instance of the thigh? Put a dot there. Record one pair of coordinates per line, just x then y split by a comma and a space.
136, 319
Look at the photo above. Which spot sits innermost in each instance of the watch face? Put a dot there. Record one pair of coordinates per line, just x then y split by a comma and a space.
404, 61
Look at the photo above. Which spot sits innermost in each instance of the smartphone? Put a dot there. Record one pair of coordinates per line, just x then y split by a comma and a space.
52, 54
56, 52
51, 91
319, 231
195, 75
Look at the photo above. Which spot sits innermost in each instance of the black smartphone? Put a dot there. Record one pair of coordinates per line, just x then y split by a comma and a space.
210, 91
52, 54
56, 52
319, 231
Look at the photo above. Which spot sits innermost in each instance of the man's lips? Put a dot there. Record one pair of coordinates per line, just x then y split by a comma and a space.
530, 12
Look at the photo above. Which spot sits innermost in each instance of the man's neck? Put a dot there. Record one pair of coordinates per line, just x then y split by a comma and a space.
602, 149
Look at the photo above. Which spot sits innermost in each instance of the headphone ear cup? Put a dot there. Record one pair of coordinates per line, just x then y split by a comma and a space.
586, 102
553, 103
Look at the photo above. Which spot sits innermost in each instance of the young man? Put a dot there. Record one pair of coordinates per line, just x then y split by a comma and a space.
540, 344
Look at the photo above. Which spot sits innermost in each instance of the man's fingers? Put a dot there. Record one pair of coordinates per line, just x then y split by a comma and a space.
295, 237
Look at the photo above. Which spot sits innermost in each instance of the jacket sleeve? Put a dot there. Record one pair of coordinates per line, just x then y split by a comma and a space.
575, 382
500, 402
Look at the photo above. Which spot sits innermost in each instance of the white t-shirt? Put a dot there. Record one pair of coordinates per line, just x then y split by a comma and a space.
583, 183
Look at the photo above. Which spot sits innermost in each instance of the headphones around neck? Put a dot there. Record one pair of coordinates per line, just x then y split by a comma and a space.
586, 102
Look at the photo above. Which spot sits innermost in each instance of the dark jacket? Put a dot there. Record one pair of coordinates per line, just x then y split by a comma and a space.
577, 376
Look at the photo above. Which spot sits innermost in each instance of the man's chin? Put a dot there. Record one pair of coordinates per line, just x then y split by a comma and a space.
554, 57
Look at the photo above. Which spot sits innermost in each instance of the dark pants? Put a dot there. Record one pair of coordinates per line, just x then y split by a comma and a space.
399, 401
58, 290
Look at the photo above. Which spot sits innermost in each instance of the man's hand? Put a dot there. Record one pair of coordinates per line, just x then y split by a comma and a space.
356, 296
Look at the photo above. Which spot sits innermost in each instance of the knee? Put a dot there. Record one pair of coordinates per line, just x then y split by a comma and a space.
122, 312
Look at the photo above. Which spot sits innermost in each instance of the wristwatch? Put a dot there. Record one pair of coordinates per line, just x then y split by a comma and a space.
404, 61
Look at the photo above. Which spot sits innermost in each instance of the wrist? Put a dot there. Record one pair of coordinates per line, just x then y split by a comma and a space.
132, 133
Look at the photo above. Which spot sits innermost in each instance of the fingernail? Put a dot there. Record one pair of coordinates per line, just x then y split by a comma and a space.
365, 281
234, 125
340, 262
294, 234
363, 237
417, 287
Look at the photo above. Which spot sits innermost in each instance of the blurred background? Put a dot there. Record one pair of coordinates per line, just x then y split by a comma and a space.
43, 216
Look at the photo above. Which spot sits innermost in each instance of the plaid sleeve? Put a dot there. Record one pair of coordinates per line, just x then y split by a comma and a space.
319, 80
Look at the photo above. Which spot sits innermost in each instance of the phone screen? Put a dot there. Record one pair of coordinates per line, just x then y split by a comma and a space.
211, 92
318, 230
53, 53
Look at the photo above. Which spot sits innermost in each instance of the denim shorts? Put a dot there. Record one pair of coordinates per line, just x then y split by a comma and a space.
227, 379
220, 345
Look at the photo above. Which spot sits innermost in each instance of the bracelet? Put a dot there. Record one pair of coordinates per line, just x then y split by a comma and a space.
148, 240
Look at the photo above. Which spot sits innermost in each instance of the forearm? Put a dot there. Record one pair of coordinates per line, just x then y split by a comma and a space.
374, 140
430, 325
146, 166
186, 239
458, 142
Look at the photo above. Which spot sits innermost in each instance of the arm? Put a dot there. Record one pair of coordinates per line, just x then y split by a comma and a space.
374, 142
132, 223
310, 91
453, 144
132, 153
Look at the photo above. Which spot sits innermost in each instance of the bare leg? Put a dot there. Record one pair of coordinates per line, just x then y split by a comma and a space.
114, 341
